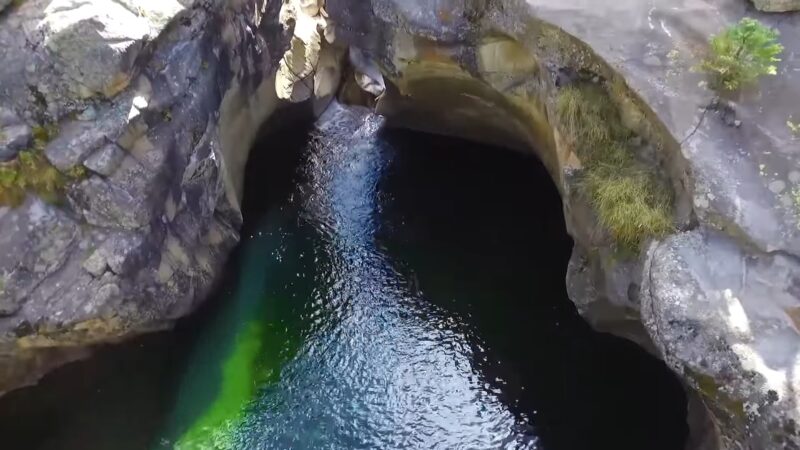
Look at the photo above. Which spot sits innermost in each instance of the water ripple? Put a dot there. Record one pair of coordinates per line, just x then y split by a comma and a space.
384, 369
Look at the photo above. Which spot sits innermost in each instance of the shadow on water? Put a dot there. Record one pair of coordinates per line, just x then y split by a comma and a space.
481, 230
402, 293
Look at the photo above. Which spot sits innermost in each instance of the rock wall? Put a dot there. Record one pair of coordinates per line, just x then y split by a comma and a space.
155, 106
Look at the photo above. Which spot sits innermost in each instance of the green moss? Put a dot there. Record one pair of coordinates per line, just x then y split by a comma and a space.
42, 134
710, 389
630, 202
31, 172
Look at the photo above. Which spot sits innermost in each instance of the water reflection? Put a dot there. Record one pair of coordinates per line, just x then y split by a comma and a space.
396, 290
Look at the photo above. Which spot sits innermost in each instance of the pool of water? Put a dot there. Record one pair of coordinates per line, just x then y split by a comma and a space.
392, 290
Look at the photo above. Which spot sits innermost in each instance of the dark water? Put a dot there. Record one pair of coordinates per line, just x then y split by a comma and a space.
392, 290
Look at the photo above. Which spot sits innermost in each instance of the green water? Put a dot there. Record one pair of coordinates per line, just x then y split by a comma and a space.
392, 291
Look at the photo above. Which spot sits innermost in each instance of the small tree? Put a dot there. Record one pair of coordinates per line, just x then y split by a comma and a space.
742, 53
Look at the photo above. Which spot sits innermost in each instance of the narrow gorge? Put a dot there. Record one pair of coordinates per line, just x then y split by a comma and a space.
395, 224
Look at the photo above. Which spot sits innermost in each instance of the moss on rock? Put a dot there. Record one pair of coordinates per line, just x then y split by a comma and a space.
32, 172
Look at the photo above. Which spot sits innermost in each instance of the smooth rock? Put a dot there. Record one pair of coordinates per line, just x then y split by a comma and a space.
777, 186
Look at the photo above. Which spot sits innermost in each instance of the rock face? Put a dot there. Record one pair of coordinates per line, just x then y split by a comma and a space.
159, 103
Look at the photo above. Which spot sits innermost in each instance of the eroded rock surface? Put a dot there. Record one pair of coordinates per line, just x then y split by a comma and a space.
145, 95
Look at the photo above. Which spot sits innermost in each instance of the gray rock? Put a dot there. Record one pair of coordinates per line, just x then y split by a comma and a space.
729, 320
105, 160
777, 186
77, 139
105, 204
15, 134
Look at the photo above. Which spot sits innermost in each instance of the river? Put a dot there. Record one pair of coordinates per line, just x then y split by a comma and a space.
392, 291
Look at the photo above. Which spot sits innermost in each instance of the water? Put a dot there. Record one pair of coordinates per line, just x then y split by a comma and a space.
392, 291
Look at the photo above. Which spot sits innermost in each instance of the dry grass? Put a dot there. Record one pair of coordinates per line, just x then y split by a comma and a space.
630, 203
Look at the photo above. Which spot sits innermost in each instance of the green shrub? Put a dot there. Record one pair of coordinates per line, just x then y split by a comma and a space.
631, 203
742, 53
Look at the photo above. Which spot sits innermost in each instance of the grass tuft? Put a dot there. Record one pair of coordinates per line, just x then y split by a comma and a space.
630, 203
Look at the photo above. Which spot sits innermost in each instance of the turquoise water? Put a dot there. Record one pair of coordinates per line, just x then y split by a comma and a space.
392, 291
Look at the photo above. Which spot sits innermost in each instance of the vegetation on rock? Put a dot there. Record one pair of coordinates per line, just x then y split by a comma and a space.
32, 172
742, 53
29, 172
794, 127
630, 202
